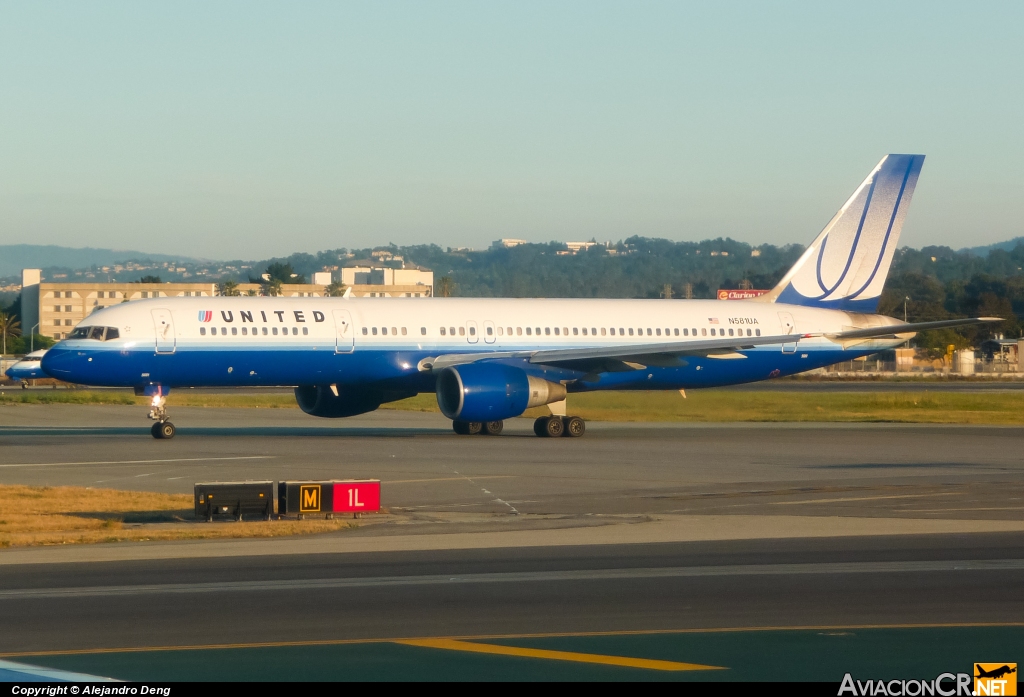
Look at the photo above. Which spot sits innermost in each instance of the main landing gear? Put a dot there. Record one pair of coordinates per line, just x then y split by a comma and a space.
163, 428
545, 427
555, 426
471, 428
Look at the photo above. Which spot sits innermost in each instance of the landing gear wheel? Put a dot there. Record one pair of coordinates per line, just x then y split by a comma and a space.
467, 428
492, 428
554, 427
166, 430
156, 431
574, 426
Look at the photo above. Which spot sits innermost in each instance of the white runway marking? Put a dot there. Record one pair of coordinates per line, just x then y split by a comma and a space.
139, 462
824, 568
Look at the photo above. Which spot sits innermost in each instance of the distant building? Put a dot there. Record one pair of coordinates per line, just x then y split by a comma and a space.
379, 282
507, 242
576, 247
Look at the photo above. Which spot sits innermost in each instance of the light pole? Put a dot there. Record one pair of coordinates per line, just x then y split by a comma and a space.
906, 299
32, 337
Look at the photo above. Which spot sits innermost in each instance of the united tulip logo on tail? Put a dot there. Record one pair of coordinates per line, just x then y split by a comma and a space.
205, 315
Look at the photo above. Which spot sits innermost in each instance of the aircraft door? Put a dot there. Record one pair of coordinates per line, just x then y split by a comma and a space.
788, 327
489, 335
165, 341
472, 335
344, 332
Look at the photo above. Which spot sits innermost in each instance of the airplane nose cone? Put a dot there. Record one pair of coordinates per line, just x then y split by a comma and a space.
59, 362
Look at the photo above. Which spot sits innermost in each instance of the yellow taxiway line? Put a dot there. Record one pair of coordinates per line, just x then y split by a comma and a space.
496, 649
500, 637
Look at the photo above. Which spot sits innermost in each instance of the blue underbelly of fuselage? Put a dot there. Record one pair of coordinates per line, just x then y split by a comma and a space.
397, 369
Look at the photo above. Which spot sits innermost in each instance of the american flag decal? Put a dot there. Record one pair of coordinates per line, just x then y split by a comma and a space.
205, 315
712, 320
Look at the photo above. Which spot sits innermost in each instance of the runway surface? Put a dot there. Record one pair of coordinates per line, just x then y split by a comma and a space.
643, 602
785, 533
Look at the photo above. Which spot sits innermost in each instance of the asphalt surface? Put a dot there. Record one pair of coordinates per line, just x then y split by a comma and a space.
855, 581
263, 611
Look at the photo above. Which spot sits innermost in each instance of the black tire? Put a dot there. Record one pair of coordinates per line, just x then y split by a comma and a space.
475, 427
492, 428
155, 430
461, 427
554, 427
574, 426
167, 430
540, 427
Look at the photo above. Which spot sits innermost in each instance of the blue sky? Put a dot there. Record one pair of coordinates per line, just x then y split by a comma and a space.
246, 129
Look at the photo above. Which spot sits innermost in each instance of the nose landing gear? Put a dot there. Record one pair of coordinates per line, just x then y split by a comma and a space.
163, 428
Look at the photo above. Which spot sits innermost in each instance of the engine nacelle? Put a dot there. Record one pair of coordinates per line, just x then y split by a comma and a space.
491, 392
321, 400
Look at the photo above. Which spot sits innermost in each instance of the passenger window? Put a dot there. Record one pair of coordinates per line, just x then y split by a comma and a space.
712, 332
234, 331
373, 331
442, 331
295, 331
757, 332
423, 331
519, 331
274, 331
656, 331
748, 332
245, 331
730, 332
462, 331
394, 331
556, 331
631, 331
677, 331
490, 331
686, 332
202, 331
305, 331
547, 331
500, 331
529, 332
384, 331
565, 331
364, 331
404, 332
602, 331
703, 332
472, 331
622, 332
451, 330
576, 331
649, 332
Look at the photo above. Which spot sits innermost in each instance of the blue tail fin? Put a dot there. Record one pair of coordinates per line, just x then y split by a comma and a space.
846, 266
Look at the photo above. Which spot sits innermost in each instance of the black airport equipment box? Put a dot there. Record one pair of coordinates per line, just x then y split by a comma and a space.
236, 499
328, 497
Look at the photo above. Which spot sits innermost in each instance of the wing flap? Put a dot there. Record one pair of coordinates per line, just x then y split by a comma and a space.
894, 330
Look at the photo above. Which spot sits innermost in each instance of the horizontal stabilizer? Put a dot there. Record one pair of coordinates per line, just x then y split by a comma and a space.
912, 328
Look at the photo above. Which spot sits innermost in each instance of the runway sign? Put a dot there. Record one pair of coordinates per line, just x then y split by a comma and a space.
328, 497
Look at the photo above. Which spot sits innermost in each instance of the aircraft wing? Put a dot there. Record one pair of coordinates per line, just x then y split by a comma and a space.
617, 358
892, 330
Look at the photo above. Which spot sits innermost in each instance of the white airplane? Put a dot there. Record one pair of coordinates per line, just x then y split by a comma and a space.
491, 359
28, 368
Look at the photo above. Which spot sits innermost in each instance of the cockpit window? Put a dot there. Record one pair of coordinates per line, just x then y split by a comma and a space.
97, 333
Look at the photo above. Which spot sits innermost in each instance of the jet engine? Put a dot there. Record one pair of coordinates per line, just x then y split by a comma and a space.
492, 392
323, 400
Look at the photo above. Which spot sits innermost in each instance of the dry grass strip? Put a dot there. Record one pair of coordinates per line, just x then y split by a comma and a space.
39, 515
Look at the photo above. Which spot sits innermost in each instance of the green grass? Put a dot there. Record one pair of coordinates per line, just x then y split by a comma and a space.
933, 406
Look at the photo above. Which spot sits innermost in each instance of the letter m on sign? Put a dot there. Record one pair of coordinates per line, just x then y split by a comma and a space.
309, 498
